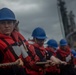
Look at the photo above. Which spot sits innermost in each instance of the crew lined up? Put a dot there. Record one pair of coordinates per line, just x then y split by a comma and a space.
33, 58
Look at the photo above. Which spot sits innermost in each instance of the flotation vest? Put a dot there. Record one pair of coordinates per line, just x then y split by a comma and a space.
52, 69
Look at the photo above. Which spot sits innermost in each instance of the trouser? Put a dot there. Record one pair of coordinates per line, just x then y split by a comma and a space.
12, 71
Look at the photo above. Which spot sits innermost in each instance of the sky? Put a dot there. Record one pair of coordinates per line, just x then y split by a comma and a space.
38, 13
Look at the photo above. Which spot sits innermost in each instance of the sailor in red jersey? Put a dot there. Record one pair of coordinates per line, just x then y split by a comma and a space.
64, 53
52, 47
11, 50
30, 69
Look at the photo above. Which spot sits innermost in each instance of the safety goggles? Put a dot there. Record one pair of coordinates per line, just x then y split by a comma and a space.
3, 22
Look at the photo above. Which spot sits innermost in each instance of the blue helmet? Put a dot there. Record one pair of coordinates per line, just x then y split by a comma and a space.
63, 42
6, 14
39, 33
73, 52
52, 43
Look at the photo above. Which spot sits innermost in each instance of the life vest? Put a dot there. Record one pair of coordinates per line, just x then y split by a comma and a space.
12, 43
23, 43
41, 53
5, 48
51, 51
52, 69
11, 52
64, 55
29, 70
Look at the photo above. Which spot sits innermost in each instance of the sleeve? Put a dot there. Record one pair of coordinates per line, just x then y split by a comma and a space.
48, 55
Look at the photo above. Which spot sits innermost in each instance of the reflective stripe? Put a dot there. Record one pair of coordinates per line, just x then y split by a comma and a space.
23, 51
20, 51
68, 58
17, 50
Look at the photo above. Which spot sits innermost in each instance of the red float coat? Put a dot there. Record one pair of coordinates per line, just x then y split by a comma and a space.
41, 53
52, 69
35, 70
31, 70
65, 55
7, 54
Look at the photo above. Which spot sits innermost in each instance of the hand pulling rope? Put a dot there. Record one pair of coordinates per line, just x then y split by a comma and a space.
9, 64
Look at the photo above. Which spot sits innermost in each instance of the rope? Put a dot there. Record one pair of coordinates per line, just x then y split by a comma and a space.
9, 64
